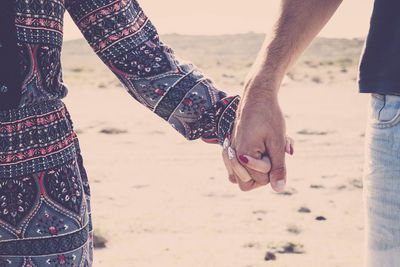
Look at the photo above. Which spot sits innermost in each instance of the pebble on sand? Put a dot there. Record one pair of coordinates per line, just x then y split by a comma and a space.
111, 130
287, 248
304, 210
269, 256
99, 241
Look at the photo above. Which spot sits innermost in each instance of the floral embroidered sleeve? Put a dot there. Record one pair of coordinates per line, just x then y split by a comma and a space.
126, 41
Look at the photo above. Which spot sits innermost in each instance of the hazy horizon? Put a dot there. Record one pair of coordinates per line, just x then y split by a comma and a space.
222, 17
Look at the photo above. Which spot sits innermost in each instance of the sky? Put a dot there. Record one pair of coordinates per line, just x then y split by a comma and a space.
234, 16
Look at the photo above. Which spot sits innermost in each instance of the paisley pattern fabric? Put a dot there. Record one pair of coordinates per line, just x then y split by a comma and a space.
44, 190
120, 33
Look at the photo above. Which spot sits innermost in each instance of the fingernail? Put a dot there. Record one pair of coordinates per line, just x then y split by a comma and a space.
280, 184
243, 159
291, 150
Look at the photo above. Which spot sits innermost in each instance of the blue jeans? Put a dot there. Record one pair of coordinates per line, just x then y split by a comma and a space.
381, 193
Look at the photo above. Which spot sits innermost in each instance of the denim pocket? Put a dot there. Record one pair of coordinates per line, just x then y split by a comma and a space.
385, 110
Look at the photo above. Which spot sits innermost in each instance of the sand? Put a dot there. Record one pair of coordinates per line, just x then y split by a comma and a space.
159, 200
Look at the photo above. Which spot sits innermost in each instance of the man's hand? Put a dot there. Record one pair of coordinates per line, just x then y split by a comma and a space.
245, 154
238, 174
260, 131
260, 127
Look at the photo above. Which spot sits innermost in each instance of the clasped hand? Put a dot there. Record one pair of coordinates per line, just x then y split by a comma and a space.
254, 154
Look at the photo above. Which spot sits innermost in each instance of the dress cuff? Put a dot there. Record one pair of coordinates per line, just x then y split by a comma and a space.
227, 119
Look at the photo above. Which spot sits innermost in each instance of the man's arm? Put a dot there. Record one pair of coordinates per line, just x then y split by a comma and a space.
260, 126
298, 24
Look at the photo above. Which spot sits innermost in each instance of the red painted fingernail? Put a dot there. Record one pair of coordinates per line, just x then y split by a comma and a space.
291, 150
244, 159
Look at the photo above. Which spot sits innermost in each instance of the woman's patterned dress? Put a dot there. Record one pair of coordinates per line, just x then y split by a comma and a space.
44, 190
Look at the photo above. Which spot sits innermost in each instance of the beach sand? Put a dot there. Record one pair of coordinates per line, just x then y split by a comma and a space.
159, 200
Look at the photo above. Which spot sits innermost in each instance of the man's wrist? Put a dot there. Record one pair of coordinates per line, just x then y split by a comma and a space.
265, 78
261, 89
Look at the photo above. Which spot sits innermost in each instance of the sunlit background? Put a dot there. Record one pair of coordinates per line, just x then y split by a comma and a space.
159, 200
226, 16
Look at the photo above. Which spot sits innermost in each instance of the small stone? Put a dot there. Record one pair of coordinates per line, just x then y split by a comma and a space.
320, 218
113, 131
285, 193
287, 248
99, 241
291, 248
269, 256
293, 229
259, 212
251, 245
316, 186
304, 210
357, 183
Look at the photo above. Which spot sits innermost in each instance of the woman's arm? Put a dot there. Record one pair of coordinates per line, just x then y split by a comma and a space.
123, 37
